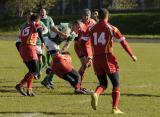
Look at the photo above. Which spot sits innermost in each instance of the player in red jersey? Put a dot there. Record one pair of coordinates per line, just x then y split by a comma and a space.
62, 66
86, 23
104, 62
27, 49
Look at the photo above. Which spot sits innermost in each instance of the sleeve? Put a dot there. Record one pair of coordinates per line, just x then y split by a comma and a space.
117, 36
51, 22
120, 38
85, 44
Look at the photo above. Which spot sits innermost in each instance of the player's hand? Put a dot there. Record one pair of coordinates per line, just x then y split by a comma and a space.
134, 58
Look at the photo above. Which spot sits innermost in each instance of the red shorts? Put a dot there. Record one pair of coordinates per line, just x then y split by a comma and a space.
28, 52
105, 63
61, 67
79, 51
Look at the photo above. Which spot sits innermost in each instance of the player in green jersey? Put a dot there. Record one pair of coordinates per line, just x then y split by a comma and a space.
48, 22
54, 43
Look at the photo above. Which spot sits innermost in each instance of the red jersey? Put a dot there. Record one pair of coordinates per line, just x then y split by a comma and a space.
102, 36
84, 27
62, 64
29, 33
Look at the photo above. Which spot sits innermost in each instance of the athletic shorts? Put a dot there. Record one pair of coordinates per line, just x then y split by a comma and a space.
50, 45
60, 68
80, 52
39, 50
105, 63
28, 52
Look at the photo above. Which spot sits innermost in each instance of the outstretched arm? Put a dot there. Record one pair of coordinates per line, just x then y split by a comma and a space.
128, 49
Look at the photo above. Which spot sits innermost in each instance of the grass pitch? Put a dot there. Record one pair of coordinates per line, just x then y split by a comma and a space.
140, 87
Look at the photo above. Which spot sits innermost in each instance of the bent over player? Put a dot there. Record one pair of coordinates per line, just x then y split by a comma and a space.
104, 62
27, 49
62, 66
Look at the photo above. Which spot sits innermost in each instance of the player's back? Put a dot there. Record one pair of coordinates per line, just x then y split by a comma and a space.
28, 34
100, 38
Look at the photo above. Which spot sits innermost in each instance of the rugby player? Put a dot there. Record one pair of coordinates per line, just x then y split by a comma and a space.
86, 23
28, 36
104, 61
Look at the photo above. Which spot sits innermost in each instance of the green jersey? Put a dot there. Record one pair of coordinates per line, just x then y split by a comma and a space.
48, 22
63, 27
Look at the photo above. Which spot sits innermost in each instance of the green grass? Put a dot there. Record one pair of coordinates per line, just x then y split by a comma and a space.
140, 90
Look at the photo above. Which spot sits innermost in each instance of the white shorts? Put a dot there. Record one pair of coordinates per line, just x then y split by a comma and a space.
50, 45
39, 50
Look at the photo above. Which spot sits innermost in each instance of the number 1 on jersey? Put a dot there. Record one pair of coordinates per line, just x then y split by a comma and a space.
100, 39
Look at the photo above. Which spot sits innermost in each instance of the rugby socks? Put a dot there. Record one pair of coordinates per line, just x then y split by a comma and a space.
30, 82
78, 86
115, 97
24, 80
100, 89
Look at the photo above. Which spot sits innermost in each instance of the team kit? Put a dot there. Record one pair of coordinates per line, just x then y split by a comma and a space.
93, 37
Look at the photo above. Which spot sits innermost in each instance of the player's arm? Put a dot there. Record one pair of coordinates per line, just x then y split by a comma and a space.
120, 38
40, 34
67, 44
84, 40
55, 29
45, 30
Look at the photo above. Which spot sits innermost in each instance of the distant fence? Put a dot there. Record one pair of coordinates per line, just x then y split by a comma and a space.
67, 7
75, 6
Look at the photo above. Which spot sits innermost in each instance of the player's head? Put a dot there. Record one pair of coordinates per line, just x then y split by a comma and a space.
103, 13
86, 14
95, 14
34, 18
43, 12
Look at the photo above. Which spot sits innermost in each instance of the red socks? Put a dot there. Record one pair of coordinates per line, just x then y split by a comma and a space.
28, 78
115, 97
100, 89
29, 82
25, 79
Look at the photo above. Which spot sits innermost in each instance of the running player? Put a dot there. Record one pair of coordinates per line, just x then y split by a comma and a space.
86, 23
27, 49
104, 62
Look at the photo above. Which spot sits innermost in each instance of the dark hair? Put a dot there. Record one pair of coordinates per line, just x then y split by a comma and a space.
34, 17
103, 13
95, 10
86, 12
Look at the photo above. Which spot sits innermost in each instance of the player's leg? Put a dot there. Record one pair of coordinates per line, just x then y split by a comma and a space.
33, 70
28, 78
115, 92
82, 68
52, 49
73, 78
103, 83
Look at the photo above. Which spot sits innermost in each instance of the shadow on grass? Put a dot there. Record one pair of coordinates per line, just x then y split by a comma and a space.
45, 113
136, 95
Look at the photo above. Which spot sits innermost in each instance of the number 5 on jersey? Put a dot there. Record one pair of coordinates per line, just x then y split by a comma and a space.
99, 40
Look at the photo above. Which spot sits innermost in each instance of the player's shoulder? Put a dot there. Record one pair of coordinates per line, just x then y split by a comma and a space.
92, 21
49, 17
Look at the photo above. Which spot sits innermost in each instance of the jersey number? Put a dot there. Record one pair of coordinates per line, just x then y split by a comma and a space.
25, 31
101, 39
